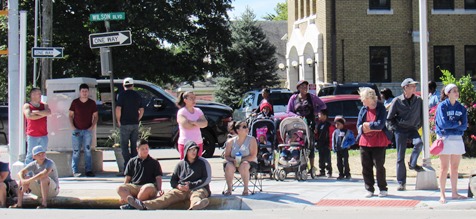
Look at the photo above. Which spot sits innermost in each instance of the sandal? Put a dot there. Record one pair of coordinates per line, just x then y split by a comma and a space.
40, 207
459, 197
14, 206
226, 193
245, 193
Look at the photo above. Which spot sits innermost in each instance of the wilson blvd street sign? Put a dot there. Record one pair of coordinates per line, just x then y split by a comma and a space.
110, 39
47, 52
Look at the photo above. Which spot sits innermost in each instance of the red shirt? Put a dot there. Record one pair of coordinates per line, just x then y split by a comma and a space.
373, 139
36, 128
83, 113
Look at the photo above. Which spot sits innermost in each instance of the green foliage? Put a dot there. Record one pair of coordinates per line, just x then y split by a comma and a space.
199, 28
467, 97
281, 11
114, 138
250, 62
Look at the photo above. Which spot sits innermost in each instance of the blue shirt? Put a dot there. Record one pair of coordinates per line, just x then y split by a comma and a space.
448, 118
434, 99
4, 168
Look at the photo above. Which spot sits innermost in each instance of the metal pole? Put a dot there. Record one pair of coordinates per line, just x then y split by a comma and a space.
14, 112
35, 44
427, 178
111, 83
22, 88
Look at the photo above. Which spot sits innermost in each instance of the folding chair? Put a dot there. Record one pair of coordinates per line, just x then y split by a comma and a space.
256, 180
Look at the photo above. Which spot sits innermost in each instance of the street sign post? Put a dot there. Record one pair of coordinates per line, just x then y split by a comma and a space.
110, 39
47, 52
111, 16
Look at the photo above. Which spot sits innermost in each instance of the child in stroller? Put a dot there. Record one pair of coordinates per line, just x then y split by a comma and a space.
290, 155
265, 150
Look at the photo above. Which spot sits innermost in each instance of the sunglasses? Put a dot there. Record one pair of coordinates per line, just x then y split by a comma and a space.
244, 127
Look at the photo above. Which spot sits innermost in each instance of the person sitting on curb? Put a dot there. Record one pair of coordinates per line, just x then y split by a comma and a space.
143, 177
190, 180
7, 185
44, 182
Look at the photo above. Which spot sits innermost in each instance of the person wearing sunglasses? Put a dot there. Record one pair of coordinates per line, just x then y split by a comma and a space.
243, 144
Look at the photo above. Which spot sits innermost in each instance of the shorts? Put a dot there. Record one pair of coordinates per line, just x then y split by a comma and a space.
53, 190
134, 189
453, 144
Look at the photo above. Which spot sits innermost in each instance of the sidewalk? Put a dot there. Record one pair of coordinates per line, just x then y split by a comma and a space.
100, 191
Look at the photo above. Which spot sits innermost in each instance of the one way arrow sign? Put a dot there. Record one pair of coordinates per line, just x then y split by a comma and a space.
47, 52
110, 39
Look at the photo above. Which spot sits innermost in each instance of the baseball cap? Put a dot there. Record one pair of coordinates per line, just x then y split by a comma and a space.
128, 81
408, 81
38, 149
301, 82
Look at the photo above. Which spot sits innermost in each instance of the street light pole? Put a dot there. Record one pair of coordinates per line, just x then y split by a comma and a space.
35, 43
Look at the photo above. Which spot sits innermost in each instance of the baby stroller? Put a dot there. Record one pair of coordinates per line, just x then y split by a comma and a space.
289, 127
264, 130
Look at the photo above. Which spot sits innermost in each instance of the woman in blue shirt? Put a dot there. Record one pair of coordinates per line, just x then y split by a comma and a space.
451, 122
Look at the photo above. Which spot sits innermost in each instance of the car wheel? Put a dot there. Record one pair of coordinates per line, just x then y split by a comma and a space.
209, 144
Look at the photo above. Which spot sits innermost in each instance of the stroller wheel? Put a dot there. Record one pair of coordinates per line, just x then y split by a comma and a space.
303, 174
298, 175
281, 175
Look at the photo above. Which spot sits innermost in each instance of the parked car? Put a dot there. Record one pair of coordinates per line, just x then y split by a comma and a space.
251, 99
346, 105
347, 88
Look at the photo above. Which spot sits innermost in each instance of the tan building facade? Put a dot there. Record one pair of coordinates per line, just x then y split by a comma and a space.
377, 40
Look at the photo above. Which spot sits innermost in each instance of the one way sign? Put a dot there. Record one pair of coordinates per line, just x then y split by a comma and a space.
47, 52
110, 39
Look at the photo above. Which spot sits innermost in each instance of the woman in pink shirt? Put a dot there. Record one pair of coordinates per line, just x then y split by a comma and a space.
190, 120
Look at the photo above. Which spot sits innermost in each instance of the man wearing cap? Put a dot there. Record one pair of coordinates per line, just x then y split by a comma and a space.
190, 180
405, 118
307, 105
83, 116
44, 182
35, 113
129, 111
143, 176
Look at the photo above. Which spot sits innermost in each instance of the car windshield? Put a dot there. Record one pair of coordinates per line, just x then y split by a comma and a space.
277, 98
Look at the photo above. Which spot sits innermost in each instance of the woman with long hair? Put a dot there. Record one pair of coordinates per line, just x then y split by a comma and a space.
190, 120
246, 145
451, 122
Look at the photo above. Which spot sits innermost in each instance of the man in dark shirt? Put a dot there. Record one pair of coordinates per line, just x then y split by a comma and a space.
190, 180
83, 116
143, 176
129, 111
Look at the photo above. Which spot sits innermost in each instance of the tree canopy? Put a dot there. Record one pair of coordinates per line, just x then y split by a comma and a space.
281, 13
170, 38
250, 61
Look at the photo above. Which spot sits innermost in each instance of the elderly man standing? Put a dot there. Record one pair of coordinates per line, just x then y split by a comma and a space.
44, 182
35, 113
405, 118
129, 111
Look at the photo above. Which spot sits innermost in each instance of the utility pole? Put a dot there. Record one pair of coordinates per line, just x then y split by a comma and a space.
46, 41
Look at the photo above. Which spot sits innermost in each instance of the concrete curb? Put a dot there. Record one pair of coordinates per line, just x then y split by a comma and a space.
65, 202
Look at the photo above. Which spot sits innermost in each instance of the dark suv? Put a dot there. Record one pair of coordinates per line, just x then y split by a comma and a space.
347, 88
160, 113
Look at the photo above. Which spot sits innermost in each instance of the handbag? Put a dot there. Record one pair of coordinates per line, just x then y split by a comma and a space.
437, 146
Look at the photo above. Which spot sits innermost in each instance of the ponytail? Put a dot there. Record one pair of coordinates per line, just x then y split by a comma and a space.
182, 96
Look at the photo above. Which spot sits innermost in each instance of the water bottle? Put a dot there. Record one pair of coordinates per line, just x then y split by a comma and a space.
237, 159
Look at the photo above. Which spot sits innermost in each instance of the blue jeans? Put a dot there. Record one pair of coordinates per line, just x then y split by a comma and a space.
401, 138
32, 142
129, 133
84, 138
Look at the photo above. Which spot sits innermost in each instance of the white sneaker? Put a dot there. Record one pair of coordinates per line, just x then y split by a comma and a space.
76, 174
369, 194
383, 193
293, 161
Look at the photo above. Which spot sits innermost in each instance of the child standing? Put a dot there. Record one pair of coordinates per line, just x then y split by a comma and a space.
342, 140
324, 131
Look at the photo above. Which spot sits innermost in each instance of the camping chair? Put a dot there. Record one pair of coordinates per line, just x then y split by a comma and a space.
256, 180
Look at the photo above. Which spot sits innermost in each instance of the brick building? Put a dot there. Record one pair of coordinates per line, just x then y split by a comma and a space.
377, 40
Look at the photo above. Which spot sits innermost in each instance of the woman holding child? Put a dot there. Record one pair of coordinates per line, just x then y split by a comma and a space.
247, 146
373, 139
